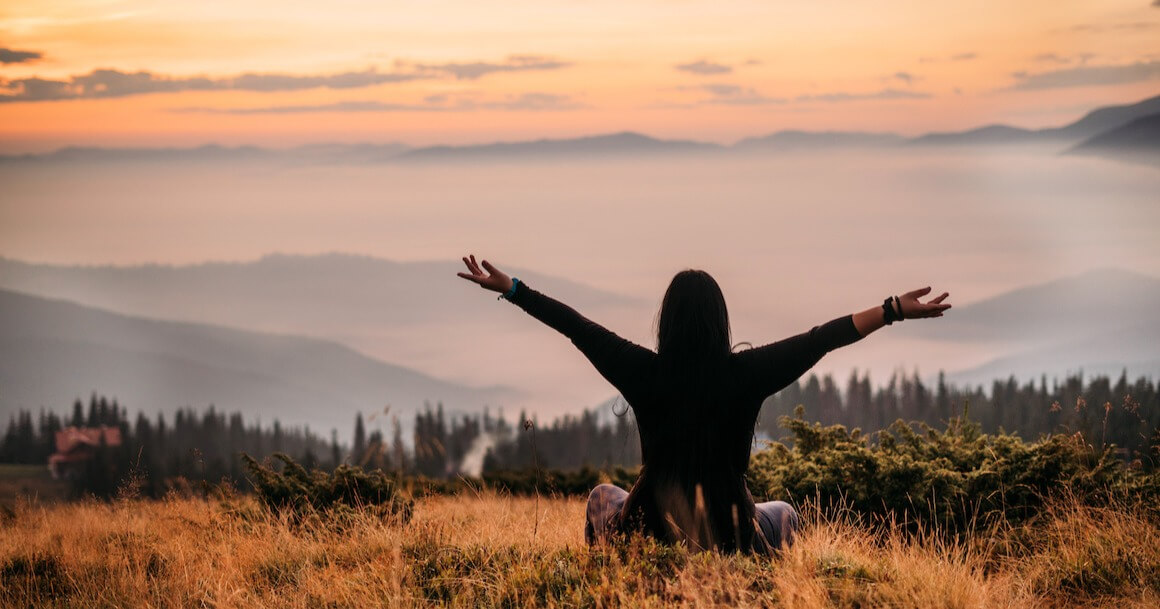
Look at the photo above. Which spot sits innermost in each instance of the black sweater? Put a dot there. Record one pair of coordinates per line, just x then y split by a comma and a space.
694, 445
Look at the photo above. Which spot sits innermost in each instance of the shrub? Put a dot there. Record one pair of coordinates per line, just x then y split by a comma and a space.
339, 494
957, 478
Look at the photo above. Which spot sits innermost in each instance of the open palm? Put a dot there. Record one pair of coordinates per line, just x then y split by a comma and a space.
913, 308
494, 279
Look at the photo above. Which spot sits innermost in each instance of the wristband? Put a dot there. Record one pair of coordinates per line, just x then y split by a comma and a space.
512, 292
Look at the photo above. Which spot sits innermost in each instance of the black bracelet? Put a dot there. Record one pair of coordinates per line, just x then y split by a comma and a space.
901, 315
888, 314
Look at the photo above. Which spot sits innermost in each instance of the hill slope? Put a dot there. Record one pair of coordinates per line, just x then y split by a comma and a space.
329, 296
54, 351
1101, 321
794, 140
1096, 302
1095, 122
1139, 139
596, 145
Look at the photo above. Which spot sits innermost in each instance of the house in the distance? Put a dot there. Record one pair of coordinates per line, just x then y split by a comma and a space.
75, 446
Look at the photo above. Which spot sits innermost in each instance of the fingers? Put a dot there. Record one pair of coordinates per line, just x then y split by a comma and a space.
475, 278
918, 292
491, 269
932, 310
472, 265
941, 298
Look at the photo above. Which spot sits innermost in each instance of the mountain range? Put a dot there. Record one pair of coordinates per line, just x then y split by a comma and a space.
330, 295
1138, 140
1094, 124
295, 336
1099, 322
54, 352
416, 315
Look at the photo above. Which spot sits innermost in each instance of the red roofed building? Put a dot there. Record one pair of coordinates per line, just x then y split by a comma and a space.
75, 446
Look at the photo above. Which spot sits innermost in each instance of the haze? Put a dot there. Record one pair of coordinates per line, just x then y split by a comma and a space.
830, 224
794, 239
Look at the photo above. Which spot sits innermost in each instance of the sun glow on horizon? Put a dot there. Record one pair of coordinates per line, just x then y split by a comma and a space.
128, 72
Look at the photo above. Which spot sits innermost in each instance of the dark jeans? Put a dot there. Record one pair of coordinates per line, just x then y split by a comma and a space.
777, 520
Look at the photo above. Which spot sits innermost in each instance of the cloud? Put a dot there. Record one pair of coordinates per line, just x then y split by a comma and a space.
109, 83
1051, 58
1084, 76
957, 57
533, 102
14, 56
346, 106
847, 97
474, 70
905, 77
719, 90
1111, 27
704, 68
732, 95
525, 102
736, 95
1080, 58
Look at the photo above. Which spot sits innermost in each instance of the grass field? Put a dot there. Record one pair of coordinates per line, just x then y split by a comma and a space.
488, 550
18, 481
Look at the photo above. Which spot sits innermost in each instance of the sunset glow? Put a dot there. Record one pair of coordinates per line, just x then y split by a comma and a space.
135, 73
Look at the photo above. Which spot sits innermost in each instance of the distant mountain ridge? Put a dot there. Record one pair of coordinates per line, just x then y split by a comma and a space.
612, 144
793, 139
1098, 301
990, 134
1099, 322
309, 153
417, 313
1093, 123
1137, 140
54, 351
278, 292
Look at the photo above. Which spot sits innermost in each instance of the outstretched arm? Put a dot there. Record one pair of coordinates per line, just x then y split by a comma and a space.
778, 364
618, 360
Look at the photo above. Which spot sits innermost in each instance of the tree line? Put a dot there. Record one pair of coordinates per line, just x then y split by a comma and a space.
1105, 411
158, 454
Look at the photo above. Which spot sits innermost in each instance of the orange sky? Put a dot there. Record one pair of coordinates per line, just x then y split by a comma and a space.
463, 71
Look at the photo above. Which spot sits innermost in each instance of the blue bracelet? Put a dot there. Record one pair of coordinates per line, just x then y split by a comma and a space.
512, 292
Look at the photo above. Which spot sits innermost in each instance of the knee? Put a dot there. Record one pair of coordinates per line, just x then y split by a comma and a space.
603, 495
785, 515
603, 503
779, 522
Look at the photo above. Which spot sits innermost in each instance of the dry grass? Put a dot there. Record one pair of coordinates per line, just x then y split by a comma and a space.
490, 550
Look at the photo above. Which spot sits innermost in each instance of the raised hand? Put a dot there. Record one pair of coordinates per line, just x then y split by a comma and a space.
912, 308
494, 280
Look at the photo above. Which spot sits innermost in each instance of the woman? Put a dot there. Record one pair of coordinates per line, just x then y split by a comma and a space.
696, 404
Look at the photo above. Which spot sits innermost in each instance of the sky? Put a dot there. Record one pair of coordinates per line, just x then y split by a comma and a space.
168, 73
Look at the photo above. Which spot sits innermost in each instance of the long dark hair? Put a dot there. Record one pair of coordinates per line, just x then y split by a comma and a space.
693, 323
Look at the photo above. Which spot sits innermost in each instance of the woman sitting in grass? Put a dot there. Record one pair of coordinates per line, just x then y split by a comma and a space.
696, 403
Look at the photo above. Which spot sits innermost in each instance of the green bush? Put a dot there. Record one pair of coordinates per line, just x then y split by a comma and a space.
338, 494
955, 479
557, 482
